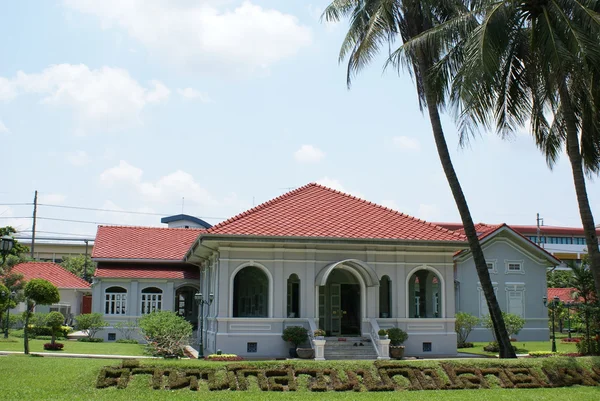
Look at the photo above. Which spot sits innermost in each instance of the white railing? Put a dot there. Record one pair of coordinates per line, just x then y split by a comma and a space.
311, 331
382, 347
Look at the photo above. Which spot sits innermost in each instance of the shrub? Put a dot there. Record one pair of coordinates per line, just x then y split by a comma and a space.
571, 340
397, 336
295, 334
319, 333
466, 345
223, 357
54, 321
541, 354
127, 341
167, 334
90, 340
127, 328
382, 332
494, 347
591, 347
91, 322
54, 347
514, 324
464, 325
15, 321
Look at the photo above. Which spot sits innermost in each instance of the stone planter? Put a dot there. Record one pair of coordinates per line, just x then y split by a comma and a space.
397, 351
305, 353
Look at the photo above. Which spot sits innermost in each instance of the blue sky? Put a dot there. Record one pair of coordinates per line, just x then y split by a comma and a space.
134, 105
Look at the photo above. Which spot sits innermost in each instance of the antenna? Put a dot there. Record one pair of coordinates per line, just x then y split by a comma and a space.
540, 222
182, 203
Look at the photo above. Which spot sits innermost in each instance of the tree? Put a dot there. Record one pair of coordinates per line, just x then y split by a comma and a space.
37, 292
17, 249
559, 278
583, 282
464, 325
514, 323
517, 61
91, 323
80, 265
379, 23
54, 320
166, 333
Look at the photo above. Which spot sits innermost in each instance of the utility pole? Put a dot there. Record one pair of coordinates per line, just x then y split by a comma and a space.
540, 222
34, 221
85, 277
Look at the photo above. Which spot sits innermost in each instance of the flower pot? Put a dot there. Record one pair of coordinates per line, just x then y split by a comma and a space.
319, 337
384, 337
293, 353
397, 351
305, 353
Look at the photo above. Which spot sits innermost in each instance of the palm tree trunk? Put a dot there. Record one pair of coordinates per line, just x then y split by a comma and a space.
26, 328
506, 349
585, 211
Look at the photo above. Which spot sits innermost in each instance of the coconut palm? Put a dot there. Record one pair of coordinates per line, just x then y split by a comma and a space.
379, 23
522, 61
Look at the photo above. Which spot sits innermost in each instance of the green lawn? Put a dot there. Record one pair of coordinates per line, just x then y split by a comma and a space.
524, 347
31, 378
75, 347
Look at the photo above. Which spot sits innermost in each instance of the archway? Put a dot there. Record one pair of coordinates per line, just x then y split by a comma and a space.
425, 293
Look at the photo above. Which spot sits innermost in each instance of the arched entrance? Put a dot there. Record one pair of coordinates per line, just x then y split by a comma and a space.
185, 306
342, 296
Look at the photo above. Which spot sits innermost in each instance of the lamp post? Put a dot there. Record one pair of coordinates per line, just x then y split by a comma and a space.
552, 305
6, 245
201, 302
11, 296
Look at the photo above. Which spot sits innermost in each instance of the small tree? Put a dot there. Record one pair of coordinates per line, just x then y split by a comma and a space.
127, 328
514, 323
464, 325
91, 323
165, 332
37, 292
54, 320
397, 336
295, 335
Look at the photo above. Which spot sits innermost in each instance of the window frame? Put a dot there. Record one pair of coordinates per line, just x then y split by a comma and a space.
508, 270
118, 300
494, 264
515, 287
156, 298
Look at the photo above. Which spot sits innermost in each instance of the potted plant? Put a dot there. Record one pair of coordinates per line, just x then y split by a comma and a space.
319, 334
382, 334
295, 335
397, 337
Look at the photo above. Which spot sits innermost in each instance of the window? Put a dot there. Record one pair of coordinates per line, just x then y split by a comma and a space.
514, 266
62, 308
250, 293
151, 300
491, 265
515, 298
424, 295
385, 297
115, 301
293, 296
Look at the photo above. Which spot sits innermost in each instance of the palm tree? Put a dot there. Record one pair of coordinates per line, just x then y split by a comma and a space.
377, 23
522, 60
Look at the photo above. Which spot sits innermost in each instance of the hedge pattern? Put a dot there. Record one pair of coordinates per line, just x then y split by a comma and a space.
381, 376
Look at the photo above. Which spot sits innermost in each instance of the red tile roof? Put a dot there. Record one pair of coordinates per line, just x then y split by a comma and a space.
52, 272
564, 294
150, 243
531, 230
317, 211
147, 270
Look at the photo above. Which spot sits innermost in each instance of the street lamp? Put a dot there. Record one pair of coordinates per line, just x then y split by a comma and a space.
552, 305
10, 296
6, 245
201, 302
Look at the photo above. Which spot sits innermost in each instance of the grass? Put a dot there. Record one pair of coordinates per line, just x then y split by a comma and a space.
74, 347
523, 347
48, 378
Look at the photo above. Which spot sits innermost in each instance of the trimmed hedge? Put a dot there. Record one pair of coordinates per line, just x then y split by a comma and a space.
359, 376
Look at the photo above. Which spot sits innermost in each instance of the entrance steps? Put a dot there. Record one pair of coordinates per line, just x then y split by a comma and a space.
352, 348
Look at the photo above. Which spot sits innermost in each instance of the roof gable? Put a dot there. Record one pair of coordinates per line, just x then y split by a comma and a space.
143, 243
320, 212
51, 272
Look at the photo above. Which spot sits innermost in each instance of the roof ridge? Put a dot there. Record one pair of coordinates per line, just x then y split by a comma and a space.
443, 229
153, 228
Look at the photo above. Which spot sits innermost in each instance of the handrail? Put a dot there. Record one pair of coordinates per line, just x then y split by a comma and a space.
311, 332
374, 334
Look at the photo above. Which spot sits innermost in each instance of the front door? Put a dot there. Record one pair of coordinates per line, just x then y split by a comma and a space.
185, 306
350, 305
335, 302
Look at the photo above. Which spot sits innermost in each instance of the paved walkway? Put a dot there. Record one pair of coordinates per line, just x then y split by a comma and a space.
67, 355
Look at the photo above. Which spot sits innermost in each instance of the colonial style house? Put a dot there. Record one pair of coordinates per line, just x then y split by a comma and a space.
314, 257
74, 292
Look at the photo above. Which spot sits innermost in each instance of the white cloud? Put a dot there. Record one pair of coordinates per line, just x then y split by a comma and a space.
406, 143
337, 185
308, 154
78, 158
390, 203
429, 212
193, 94
52, 198
210, 34
3, 129
316, 12
107, 97
176, 185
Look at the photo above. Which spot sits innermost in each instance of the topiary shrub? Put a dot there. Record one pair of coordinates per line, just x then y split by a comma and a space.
397, 336
54, 321
295, 335
166, 333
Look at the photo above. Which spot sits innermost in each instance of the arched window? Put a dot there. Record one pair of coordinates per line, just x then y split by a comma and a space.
424, 295
251, 293
151, 300
115, 301
385, 297
293, 296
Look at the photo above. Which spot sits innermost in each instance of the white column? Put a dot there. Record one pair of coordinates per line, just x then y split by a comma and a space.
133, 299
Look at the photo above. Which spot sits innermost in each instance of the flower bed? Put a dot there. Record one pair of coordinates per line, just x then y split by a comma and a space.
571, 340
54, 347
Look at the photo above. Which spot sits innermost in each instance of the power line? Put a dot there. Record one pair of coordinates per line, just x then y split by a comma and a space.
59, 233
16, 204
122, 211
